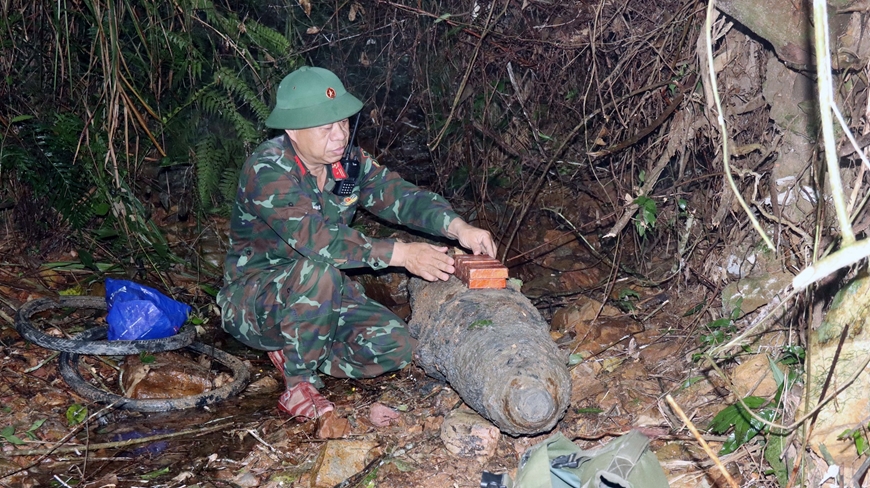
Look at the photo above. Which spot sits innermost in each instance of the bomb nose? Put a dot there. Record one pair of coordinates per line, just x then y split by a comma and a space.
532, 405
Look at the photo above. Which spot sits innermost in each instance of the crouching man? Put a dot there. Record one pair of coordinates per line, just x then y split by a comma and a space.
290, 239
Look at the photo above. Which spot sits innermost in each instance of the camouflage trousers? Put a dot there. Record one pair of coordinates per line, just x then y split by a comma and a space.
320, 318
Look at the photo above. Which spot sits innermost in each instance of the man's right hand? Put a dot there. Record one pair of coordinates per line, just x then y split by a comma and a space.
424, 260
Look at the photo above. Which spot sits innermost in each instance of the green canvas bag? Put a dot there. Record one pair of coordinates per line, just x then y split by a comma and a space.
625, 462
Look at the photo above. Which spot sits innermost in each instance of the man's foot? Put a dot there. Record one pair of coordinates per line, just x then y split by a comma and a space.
304, 402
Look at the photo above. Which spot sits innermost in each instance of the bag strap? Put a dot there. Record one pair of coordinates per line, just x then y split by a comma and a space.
628, 455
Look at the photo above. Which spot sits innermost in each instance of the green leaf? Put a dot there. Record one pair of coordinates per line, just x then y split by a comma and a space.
719, 323
102, 209
776, 445
733, 414
209, 290
697, 308
146, 358
649, 210
860, 442
593, 411
76, 414
105, 233
20, 118
777, 373
87, 259
33, 428
754, 402
575, 359
628, 292
8, 433
690, 381
735, 314
746, 427
724, 419
443, 17
155, 474
793, 355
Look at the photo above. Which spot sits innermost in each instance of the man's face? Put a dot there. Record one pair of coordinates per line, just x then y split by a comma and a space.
321, 145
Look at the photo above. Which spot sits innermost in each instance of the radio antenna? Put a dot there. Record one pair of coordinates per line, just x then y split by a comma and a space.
352, 136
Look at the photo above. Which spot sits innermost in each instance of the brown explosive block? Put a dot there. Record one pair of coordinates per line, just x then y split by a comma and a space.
486, 271
464, 258
464, 262
480, 271
480, 283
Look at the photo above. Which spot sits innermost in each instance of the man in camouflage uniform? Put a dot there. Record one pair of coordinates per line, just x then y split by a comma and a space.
290, 237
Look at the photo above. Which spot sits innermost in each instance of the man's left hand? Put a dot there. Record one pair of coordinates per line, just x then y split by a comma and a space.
470, 237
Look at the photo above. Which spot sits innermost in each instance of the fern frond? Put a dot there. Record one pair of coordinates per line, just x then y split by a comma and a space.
267, 38
208, 169
228, 187
240, 88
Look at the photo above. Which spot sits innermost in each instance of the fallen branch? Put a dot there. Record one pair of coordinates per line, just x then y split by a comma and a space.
114, 445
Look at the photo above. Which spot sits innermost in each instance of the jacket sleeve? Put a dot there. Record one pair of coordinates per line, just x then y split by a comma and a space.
387, 195
276, 196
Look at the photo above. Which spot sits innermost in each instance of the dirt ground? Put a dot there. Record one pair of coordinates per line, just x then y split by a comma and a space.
638, 350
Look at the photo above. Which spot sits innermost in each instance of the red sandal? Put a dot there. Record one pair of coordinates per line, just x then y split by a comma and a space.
304, 402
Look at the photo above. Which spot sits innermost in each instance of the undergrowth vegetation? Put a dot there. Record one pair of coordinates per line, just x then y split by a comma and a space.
102, 98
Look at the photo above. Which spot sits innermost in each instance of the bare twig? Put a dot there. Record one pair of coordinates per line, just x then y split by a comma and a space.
700, 439
720, 116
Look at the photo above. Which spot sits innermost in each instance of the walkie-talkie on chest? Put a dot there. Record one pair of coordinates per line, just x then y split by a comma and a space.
346, 171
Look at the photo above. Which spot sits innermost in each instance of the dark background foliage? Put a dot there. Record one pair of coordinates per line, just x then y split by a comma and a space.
115, 111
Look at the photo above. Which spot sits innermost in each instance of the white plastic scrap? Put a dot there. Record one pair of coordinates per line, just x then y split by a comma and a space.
832, 474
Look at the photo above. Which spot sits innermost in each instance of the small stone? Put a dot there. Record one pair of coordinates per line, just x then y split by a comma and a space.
339, 460
169, 375
754, 377
247, 480
382, 415
466, 434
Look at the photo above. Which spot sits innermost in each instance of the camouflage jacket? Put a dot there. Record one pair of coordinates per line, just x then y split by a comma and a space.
281, 216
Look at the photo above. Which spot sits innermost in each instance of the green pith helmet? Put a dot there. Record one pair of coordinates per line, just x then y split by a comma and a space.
310, 97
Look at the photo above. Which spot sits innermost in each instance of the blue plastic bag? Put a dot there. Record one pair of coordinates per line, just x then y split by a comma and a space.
138, 312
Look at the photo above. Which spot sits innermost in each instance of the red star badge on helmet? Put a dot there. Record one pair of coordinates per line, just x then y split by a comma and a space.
330, 93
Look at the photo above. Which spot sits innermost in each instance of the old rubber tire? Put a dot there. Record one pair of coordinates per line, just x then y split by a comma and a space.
185, 336
69, 370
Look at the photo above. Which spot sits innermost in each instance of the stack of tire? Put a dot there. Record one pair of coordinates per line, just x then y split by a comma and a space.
93, 342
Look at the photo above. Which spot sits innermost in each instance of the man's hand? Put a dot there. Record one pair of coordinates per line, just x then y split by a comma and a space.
470, 237
424, 260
